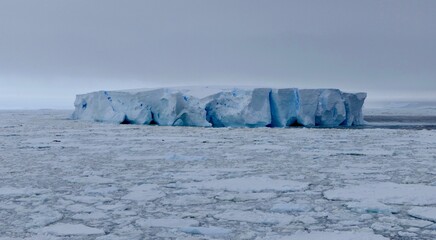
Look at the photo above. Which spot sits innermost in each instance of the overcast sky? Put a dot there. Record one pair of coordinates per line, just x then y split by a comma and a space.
52, 50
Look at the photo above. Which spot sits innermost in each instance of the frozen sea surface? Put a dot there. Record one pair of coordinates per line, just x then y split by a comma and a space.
64, 179
401, 115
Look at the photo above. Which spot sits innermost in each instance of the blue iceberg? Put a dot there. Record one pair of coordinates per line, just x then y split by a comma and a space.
223, 107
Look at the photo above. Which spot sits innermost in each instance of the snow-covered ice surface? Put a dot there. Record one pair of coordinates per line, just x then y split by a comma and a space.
65, 179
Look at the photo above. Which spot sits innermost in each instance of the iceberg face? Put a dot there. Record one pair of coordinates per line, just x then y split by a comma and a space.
112, 107
240, 108
331, 108
161, 107
173, 108
353, 107
100, 107
256, 107
135, 111
284, 105
307, 106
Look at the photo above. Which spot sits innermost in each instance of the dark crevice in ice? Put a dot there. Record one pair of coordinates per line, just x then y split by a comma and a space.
153, 121
126, 120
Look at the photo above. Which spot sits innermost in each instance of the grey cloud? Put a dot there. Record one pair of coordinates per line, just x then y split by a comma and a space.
353, 45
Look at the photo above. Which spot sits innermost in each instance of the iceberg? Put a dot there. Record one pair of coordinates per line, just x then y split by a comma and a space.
223, 107
284, 106
239, 108
161, 106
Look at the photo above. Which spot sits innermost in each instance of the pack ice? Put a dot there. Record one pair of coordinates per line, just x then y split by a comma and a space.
223, 107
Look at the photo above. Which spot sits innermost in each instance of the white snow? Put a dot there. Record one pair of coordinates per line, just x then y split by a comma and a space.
225, 107
426, 213
65, 229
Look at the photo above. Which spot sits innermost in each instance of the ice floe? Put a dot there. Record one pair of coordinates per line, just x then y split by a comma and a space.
317, 235
66, 229
426, 213
386, 192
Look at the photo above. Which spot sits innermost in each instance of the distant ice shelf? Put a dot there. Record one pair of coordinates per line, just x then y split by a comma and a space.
223, 107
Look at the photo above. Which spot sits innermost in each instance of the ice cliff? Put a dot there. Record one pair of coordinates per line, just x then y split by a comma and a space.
231, 107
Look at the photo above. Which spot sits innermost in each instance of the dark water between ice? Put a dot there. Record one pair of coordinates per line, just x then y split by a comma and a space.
400, 122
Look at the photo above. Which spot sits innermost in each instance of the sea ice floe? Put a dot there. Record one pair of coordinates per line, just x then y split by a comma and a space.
251, 184
90, 216
12, 191
167, 222
244, 196
87, 199
256, 217
426, 213
89, 179
406, 222
43, 216
144, 193
385, 192
65, 229
350, 235
290, 207
371, 207
208, 231
178, 157
187, 200
79, 208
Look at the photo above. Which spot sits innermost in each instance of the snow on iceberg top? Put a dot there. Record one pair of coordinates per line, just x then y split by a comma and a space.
195, 91
223, 107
